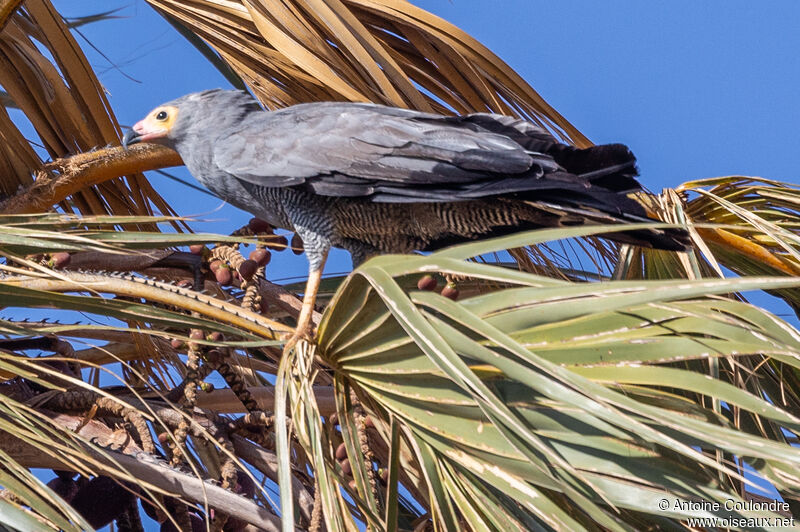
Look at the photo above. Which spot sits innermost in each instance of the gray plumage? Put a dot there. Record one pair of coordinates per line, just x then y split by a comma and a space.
376, 179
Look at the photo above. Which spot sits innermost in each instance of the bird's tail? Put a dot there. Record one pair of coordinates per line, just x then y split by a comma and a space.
610, 172
610, 166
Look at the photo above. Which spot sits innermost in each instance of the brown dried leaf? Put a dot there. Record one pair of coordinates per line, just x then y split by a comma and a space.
384, 51
66, 105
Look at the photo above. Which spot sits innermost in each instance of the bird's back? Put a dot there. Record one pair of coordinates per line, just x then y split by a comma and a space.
398, 180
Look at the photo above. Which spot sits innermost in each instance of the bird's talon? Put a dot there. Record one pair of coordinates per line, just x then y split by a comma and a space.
295, 337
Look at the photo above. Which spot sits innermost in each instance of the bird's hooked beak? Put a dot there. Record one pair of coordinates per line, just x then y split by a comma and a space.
131, 137
143, 131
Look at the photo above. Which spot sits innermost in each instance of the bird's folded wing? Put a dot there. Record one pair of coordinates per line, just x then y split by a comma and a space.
382, 153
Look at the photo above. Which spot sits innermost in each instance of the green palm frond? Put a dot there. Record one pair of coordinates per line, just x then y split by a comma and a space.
555, 404
534, 403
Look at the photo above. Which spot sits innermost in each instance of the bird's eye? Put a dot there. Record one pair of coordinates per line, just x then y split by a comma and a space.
161, 116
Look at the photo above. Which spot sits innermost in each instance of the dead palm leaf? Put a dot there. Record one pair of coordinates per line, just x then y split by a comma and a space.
67, 107
389, 52
757, 231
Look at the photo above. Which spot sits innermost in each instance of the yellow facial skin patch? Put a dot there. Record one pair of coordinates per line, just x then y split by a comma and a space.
157, 123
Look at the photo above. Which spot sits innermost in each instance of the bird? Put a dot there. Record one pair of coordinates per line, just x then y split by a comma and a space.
375, 179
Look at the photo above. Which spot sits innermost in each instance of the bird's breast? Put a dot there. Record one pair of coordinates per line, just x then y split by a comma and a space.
262, 202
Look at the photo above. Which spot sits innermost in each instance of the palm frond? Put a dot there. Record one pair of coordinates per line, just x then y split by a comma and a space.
362, 50
83, 121
757, 231
138, 328
562, 404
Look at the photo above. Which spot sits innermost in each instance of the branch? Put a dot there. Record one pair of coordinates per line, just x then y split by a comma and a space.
224, 401
129, 350
146, 470
66, 176
287, 301
138, 260
192, 488
28, 455
267, 463
149, 260
205, 305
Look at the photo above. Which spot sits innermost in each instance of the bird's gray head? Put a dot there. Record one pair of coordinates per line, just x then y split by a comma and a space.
196, 116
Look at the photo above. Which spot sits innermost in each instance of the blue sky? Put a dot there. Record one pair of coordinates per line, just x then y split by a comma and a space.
696, 89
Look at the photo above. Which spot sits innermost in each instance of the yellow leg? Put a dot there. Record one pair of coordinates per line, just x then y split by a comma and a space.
303, 329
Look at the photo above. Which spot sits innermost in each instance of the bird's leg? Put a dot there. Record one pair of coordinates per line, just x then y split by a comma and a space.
303, 329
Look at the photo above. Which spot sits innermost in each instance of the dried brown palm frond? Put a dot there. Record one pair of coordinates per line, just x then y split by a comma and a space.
747, 225
389, 52
100, 423
66, 106
7, 8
